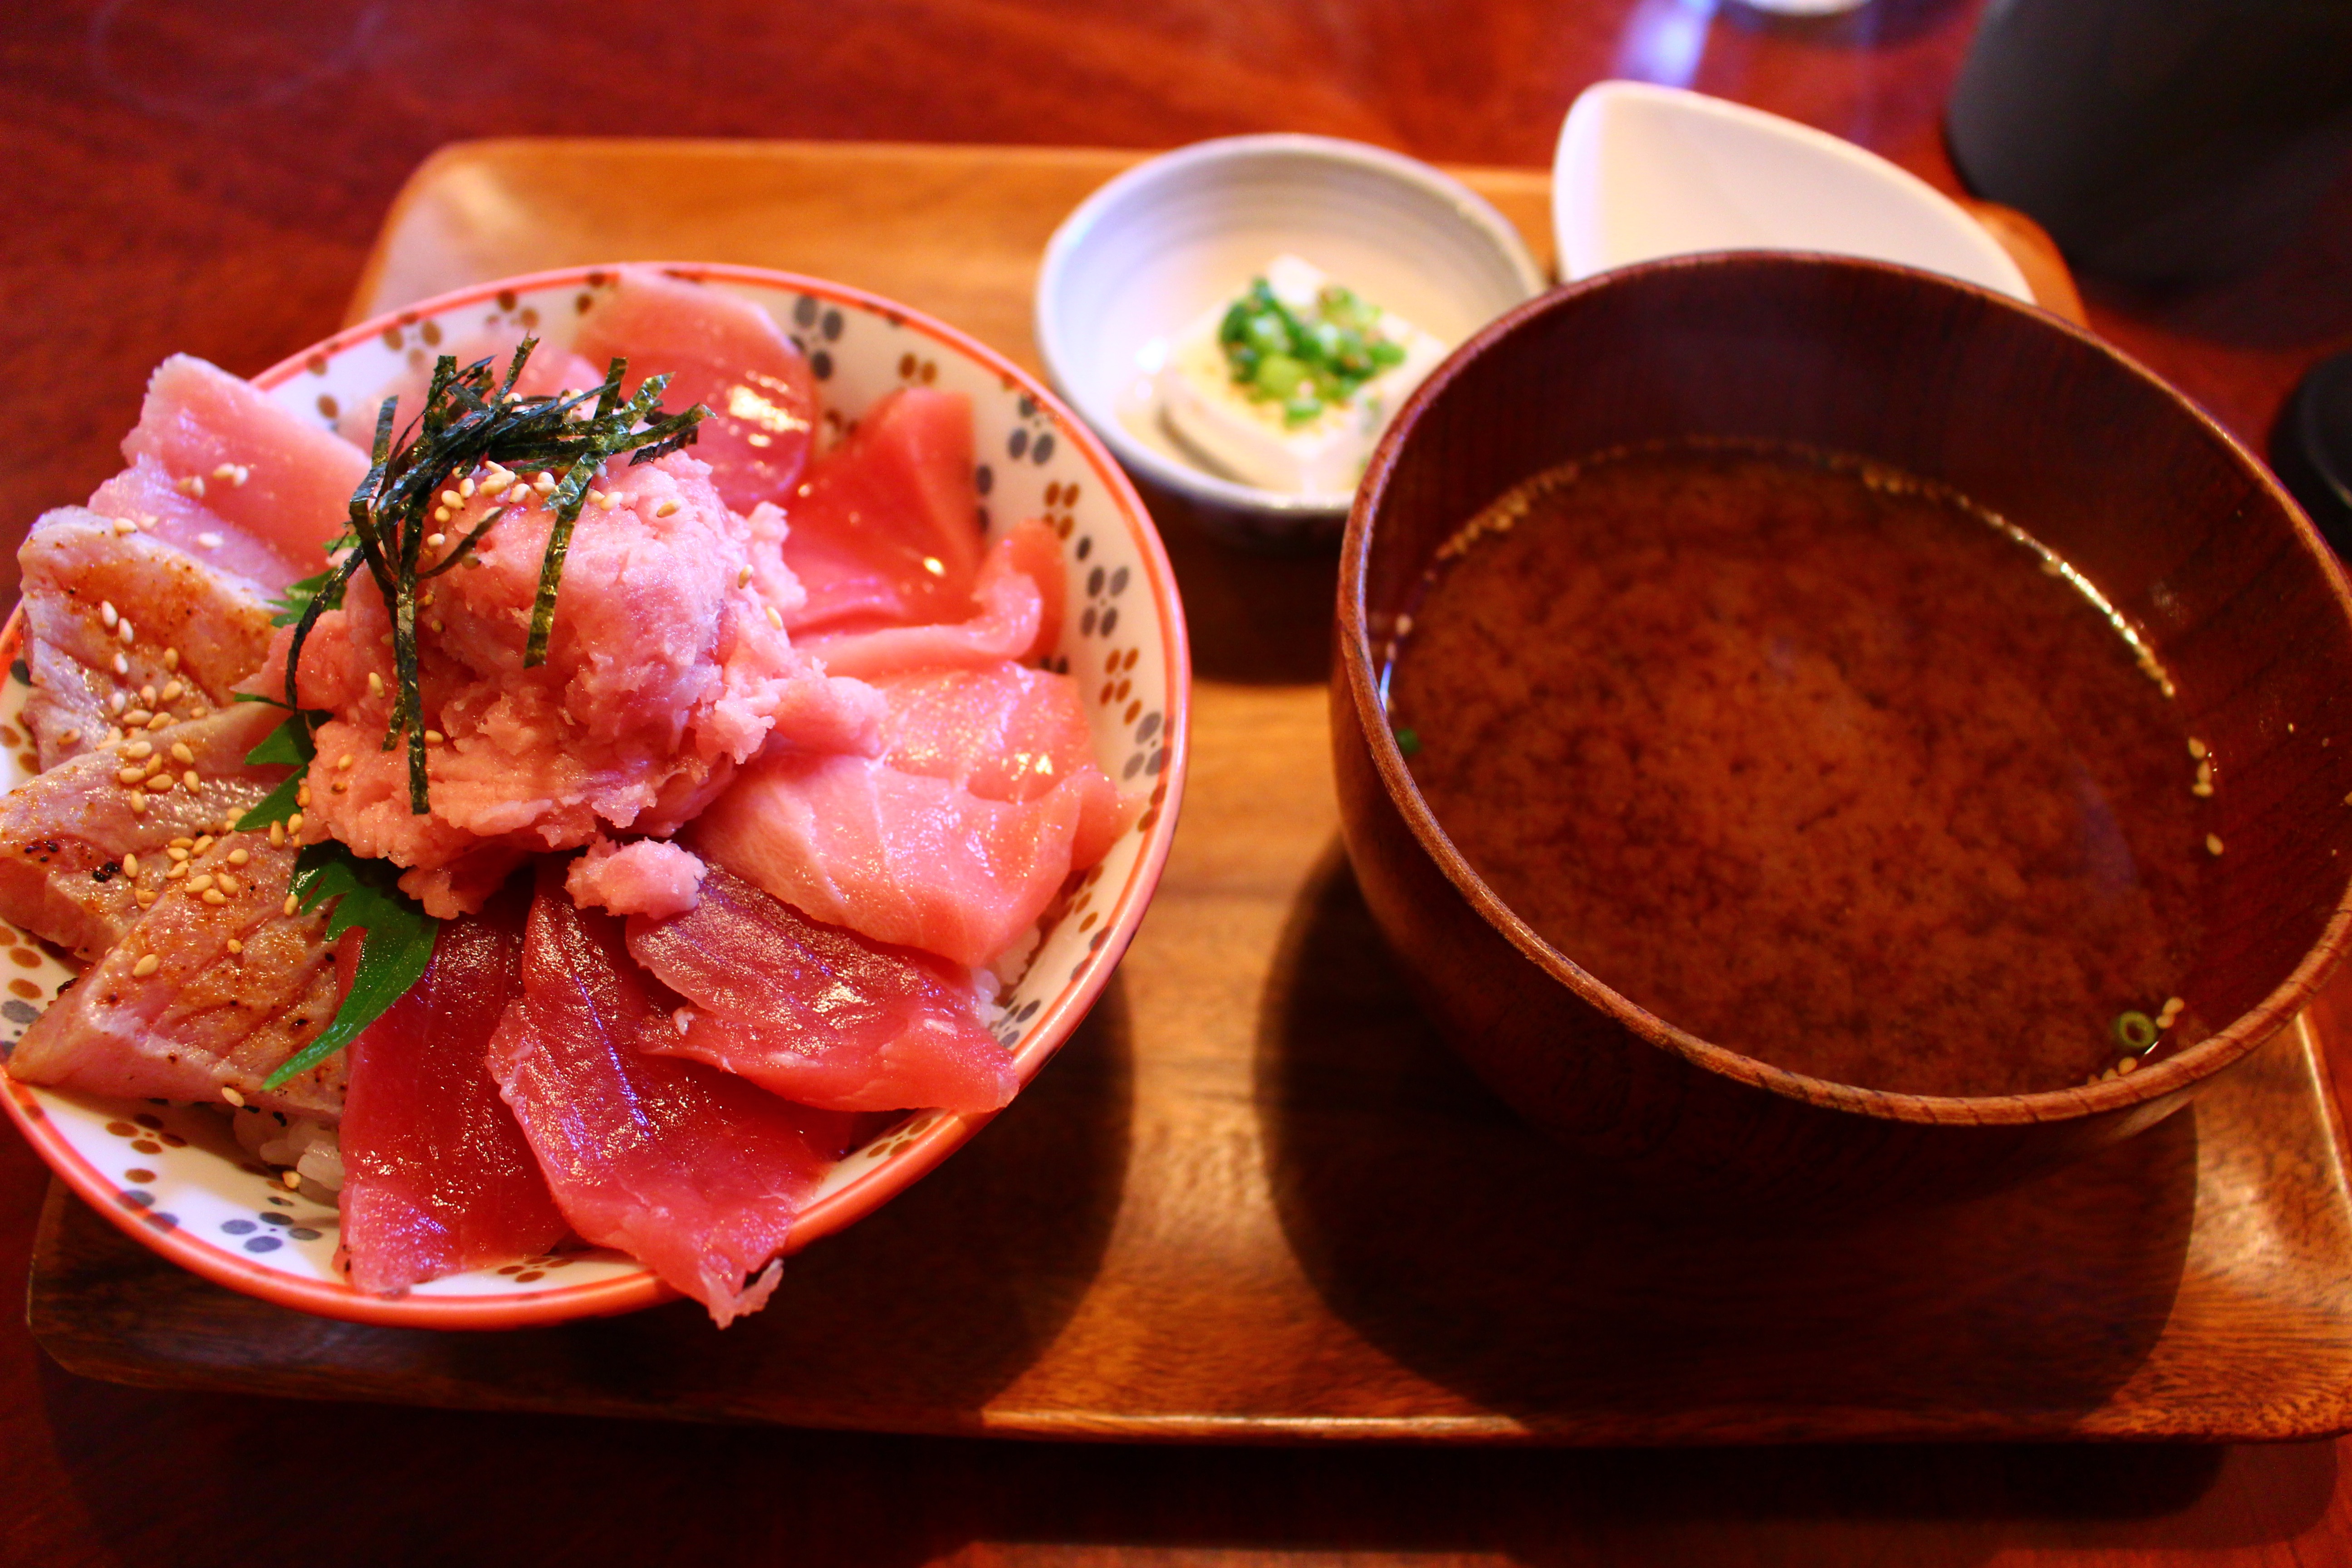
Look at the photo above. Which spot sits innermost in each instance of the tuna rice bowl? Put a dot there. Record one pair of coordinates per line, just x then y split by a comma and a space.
628, 808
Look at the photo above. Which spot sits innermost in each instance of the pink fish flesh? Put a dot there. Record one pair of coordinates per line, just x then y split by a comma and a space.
202, 1018
436, 1176
195, 630
818, 1014
63, 833
1010, 623
724, 352
694, 1172
886, 528
297, 479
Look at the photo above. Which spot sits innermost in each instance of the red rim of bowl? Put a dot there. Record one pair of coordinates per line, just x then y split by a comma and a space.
860, 1197
2170, 1076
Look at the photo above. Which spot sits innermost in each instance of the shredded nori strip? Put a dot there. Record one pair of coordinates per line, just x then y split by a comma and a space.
464, 424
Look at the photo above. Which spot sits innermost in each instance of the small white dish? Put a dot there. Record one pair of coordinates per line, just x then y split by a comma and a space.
1644, 172
1141, 260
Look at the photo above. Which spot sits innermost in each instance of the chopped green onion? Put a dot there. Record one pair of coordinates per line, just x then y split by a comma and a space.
2136, 1032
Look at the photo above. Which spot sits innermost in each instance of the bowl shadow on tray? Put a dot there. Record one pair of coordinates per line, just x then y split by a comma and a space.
999, 1244
1462, 1243
1002, 1241
1253, 617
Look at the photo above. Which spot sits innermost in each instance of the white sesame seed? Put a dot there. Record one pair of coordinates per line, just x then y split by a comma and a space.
171, 693
343, 763
179, 752
239, 856
294, 823
158, 720
434, 737
230, 885
277, 833
451, 497
124, 525
2213, 844
209, 541
214, 895
197, 884
146, 966
203, 842
226, 471
138, 803
161, 783
375, 684
190, 779
2196, 748
146, 697
130, 865
607, 501
171, 660
243, 474
291, 904
116, 703
441, 514
435, 541
124, 631
743, 575
293, 1179
193, 485
138, 749
135, 718
774, 619
178, 848
235, 945
107, 613
667, 509
129, 776
226, 1094
466, 489
121, 665
545, 482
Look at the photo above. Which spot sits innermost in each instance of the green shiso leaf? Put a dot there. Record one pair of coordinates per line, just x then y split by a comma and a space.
393, 952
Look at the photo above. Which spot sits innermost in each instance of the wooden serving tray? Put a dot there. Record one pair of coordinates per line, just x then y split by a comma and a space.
1254, 1199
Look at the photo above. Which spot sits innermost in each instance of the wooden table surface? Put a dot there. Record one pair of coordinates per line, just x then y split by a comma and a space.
206, 174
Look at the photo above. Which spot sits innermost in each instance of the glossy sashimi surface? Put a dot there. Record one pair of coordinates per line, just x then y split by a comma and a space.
436, 1176
816, 1013
885, 529
1009, 620
289, 483
727, 354
695, 1172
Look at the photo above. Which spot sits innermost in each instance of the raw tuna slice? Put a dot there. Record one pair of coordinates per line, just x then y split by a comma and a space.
1020, 575
297, 480
818, 1014
727, 354
694, 1172
202, 1018
438, 1178
144, 494
195, 631
886, 528
953, 841
547, 373
64, 834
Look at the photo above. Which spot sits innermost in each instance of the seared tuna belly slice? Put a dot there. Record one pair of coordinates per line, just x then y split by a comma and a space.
692, 1171
172, 1012
112, 615
64, 833
816, 1013
438, 1178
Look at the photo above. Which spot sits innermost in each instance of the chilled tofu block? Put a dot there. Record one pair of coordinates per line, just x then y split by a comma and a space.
1291, 398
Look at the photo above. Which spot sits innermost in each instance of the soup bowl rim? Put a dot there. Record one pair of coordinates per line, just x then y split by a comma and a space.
1354, 651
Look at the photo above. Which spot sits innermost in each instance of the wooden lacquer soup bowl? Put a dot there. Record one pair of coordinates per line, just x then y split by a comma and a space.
2185, 533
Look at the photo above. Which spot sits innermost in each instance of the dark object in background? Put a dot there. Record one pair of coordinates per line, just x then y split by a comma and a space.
2311, 449
2158, 141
